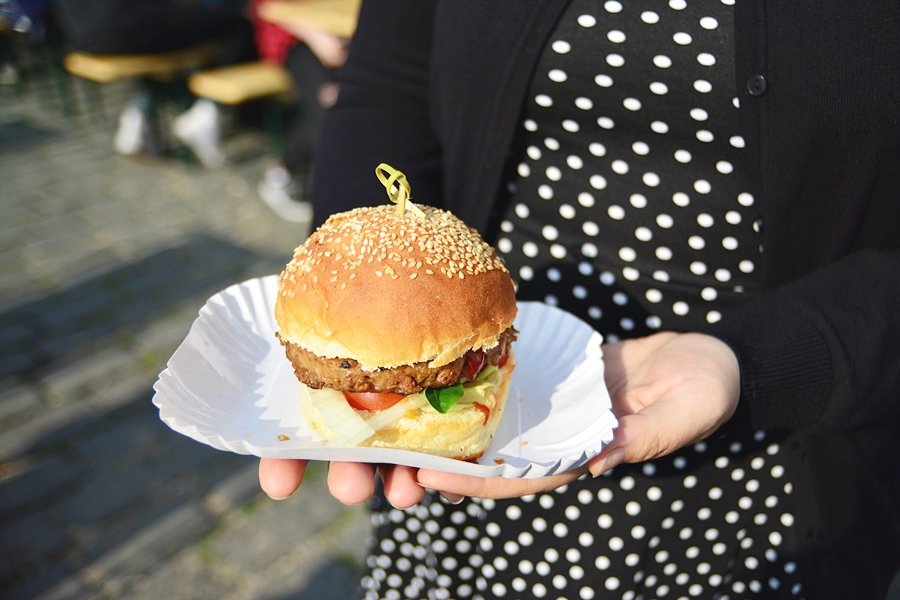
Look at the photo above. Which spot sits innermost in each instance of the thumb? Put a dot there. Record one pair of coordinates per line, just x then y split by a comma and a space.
655, 431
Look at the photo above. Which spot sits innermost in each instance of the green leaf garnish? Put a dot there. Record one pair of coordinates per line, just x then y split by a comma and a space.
443, 399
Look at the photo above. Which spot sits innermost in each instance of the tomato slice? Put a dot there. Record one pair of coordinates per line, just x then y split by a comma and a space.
372, 401
474, 363
502, 362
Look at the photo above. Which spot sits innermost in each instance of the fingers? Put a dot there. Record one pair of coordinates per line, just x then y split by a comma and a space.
279, 478
400, 486
351, 482
453, 486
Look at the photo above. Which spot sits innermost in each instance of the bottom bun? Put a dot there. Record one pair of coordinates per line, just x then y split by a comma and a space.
463, 433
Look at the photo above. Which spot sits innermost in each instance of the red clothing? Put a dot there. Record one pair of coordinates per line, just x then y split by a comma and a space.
272, 42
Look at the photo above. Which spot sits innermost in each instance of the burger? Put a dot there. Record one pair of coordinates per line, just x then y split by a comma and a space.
399, 326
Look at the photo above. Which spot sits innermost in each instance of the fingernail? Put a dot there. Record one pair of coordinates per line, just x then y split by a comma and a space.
614, 458
452, 498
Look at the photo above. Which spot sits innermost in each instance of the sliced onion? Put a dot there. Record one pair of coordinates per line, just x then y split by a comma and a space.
387, 417
344, 424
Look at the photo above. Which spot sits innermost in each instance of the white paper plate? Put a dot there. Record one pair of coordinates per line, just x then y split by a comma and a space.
229, 385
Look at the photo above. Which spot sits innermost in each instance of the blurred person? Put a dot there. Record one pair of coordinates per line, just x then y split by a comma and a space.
312, 56
714, 187
152, 26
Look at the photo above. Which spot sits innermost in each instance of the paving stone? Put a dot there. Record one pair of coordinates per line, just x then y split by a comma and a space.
26, 541
32, 483
53, 582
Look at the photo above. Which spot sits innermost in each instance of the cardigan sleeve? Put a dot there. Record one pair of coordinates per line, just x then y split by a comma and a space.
382, 112
824, 349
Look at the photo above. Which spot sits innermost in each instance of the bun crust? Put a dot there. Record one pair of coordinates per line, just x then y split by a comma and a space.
389, 289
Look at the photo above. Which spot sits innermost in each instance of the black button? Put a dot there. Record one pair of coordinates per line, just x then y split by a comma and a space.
757, 85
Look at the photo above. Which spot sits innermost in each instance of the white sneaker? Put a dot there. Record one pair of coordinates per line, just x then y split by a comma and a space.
279, 191
132, 132
198, 129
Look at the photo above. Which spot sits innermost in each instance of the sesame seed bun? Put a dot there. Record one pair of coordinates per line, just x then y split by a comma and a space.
388, 289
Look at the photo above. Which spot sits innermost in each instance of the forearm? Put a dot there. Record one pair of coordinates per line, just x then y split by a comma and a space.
824, 349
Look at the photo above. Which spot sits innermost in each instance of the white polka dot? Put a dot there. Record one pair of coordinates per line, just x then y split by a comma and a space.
705, 220
619, 166
649, 17
632, 104
615, 60
530, 249
545, 191
571, 126
680, 308
677, 4
703, 86
665, 221
643, 234
598, 182
698, 114
557, 75
705, 136
650, 179
681, 199
659, 88
574, 162
543, 100
698, 268
709, 294
567, 211
682, 38
551, 143
640, 148
736, 141
706, 59
616, 212
745, 199
723, 275
659, 127
526, 273
724, 167
653, 295
701, 186
523, 170
612, 6
663, 253
696, 242
606, 122
746, 266
683, 156
603, 80
561, 47
662, 61
729, 243
638, 200
587, 20
708, 23
550, 232
616, 36
584, 103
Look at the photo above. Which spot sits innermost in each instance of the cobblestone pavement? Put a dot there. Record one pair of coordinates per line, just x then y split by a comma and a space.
104, 262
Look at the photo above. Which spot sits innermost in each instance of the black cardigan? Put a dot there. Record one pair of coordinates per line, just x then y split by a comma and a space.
819, 86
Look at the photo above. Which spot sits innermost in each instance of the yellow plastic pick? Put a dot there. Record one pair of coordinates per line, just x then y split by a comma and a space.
398, 189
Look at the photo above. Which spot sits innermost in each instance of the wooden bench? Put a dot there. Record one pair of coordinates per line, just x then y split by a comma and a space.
106, 68
247, 82
242, 83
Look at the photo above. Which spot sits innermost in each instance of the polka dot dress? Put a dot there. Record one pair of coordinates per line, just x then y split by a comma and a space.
628, 206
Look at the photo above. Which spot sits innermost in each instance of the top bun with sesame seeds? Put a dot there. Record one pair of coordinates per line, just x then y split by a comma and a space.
383, 288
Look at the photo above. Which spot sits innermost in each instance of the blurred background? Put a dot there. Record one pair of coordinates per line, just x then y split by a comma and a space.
105, 258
